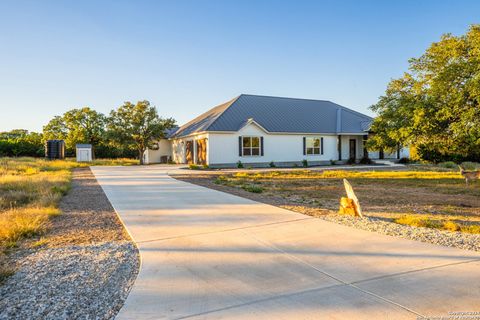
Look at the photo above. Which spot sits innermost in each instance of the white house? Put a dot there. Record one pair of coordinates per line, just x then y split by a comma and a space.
257, 130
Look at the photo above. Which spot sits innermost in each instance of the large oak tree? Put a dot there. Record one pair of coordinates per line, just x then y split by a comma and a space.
83, 125
138, 125
436, 105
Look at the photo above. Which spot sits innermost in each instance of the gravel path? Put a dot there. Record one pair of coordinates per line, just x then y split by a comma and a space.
446, 238
84, 269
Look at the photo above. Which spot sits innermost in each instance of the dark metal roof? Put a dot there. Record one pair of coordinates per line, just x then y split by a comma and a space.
277, 114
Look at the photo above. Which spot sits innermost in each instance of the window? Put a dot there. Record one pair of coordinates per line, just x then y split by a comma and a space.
314, 145
251, 146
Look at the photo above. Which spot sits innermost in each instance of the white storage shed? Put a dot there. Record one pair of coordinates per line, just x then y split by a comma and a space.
84, 152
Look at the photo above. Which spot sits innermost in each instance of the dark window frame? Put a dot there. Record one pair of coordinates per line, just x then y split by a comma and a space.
248, 150
313, 146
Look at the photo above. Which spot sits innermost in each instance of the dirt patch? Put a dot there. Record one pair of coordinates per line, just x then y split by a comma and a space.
386, 198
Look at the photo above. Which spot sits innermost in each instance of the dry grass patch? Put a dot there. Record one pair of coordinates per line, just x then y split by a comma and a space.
30, 191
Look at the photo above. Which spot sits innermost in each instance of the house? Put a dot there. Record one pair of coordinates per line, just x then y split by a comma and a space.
257, 130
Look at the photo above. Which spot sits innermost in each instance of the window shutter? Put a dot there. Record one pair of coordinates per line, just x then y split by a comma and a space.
321, 145
240, 146
304, 145
261, 146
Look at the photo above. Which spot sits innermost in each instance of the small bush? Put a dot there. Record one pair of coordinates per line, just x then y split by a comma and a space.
305, 163
205, 166
332, 162
220, 180
448, 165
366, 160
193, 167
451, 226
351, 161
252, 188
272, 164
470, 165
239, 164
404, 160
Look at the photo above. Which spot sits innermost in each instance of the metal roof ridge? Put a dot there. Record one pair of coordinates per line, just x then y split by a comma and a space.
221, 113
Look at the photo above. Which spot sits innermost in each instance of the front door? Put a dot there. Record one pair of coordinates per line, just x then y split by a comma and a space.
202, 151
353, 149
189, 151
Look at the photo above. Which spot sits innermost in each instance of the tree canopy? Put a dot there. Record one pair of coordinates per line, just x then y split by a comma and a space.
20, 142
436, 105
82, 125
137, 125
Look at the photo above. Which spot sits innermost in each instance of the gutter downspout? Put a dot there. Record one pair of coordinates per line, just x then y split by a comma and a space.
339, 130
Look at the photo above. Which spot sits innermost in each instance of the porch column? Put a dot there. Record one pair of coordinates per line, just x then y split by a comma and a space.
194, 151
339, 144
365, 150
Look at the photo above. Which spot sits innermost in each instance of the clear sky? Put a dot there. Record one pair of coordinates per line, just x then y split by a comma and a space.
188, 56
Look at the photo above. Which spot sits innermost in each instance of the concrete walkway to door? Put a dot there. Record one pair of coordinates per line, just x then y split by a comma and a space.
211, 255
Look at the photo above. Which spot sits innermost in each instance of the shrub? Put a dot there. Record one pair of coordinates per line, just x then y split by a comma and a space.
239, 164
205, 166
220, 180
272, 164
404, 160
448, 165
366, 160
305, 163
351, 161
252, 188
470, 165
451, 226
193, 166
332, 162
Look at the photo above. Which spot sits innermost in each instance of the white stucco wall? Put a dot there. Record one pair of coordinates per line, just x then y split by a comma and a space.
404, 153
277, 147
153, 156
222, 148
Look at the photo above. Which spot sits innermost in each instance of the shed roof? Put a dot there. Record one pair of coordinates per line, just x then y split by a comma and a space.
278, 115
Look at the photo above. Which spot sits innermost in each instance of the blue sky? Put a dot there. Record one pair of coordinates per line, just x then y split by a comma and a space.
188, 56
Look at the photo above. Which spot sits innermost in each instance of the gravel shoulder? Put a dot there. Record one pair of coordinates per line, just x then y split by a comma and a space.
446, 238
83, 268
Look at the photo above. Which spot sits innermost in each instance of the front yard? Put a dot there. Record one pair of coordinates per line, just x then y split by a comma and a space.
425, 196
63, 251
30, 193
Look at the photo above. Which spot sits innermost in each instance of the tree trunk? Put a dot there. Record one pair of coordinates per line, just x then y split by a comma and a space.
140, 155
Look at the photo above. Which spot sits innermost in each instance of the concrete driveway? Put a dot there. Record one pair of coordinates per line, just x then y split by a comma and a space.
211, 255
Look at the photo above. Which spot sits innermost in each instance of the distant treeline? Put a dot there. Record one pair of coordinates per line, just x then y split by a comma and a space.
125, 133
22, 143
